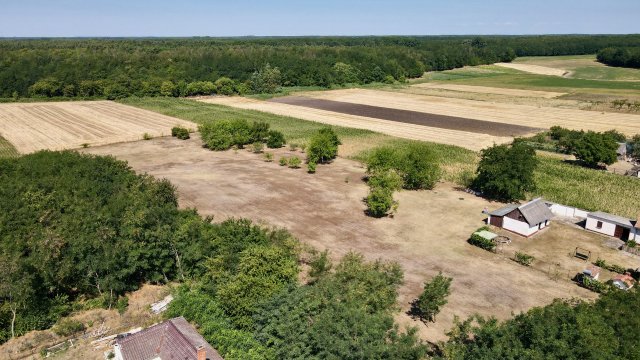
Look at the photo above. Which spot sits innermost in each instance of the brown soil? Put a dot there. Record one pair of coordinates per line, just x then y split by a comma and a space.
325, 210
408, 116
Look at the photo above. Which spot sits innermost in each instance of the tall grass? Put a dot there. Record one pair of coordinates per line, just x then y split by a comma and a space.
6, 149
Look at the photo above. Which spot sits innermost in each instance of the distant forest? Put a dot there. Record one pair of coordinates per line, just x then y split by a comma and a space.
620, 56
121, 67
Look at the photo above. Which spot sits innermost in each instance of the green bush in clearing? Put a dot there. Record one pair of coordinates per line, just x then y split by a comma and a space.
283, 161
275, 139
268, 157
323, 146
482, 243
68, 327
311, 167
415, 163
523, 259
294, 162
223, 134
180, 132
379, 202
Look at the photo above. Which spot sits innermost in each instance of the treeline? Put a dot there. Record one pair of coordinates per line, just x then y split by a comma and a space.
620, 56
115, 68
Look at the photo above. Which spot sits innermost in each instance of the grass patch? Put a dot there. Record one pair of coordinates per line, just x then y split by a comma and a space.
7, 150
589, 189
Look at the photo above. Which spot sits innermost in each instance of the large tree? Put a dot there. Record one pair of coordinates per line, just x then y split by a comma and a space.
505, 172
596, 148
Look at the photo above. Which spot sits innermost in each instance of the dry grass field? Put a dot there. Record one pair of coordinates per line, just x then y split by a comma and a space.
468, 140
325, 210
526, 115
490, 90
536, 69
66, 125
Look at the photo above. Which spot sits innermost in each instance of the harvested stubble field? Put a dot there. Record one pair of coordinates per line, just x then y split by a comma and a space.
66, 125
536, 69
325, 210
491, 90
466, 139
524, 115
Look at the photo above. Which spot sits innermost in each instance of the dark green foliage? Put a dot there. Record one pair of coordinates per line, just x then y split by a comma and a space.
311, 167
180, 132
259, 131
523, 259
346, 314
223, 134
225, 86
294, 162
266, 80
275, 139
433, 297
479, 241
505, 172
415, 163
320, 265
594, 149
616, 135
611, 267
76, 225
68, 327
379, 202
635, 147
323, 146
620, 56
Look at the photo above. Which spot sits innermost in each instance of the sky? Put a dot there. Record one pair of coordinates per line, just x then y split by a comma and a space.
116, 18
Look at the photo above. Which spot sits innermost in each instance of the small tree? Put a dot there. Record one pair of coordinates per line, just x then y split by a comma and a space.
379, 202
505, 172
259, 131
323, 146
266, 80
225, 86
275, 139
433, 297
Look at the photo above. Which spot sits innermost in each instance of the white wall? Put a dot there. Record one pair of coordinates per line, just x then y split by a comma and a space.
567, 211
518, 227
607, 228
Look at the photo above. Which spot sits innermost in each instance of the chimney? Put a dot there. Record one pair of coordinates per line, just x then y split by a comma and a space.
202, 353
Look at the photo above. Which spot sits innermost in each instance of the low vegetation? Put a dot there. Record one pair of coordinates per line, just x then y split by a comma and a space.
477, 240
432, 299
6, 149
523, 258
323, 146
611, 267
224, 134
180, 133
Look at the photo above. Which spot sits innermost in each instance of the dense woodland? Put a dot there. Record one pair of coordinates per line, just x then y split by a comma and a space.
620, 56
115, 68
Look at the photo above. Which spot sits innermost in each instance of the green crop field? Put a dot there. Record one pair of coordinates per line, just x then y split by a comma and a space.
6, 149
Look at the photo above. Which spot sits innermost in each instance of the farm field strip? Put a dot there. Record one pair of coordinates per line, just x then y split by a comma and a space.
536, 69
491, 90
525, 115
55, 126
411, 117
468, 140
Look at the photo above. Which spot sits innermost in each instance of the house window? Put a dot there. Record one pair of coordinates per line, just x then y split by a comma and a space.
599, 225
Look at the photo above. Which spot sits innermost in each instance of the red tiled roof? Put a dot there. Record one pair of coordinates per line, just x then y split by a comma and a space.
173, 339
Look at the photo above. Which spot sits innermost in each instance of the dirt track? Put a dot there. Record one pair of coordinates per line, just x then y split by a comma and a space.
66, 125
411, 117
325, 210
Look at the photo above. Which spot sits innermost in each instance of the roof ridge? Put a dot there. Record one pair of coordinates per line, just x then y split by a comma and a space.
194, 348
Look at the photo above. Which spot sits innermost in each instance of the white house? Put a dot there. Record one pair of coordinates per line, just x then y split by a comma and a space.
525, 220
613, 225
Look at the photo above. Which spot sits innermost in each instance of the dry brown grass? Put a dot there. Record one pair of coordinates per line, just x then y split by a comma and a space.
66, 125
491, 90
535, 69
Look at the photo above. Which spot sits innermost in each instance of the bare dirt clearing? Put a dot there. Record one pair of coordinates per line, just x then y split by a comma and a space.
66, 125
491, 90
325, 210
536, 69
468, 140
411, 117
525, 115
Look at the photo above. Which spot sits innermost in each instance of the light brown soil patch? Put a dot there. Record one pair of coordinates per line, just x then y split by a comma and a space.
325, 210
526, 115
468, 140
67, 125
491, 90
536, 69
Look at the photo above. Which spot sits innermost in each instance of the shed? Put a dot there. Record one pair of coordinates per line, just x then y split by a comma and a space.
526, 219
592, 271
612, 225
623, 282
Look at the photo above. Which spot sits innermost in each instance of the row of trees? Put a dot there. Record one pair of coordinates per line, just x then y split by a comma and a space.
180, 67
620, 56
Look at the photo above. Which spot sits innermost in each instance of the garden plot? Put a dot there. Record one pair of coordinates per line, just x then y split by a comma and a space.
66, 125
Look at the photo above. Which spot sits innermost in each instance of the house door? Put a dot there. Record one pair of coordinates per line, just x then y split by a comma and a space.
496, 221
621, 233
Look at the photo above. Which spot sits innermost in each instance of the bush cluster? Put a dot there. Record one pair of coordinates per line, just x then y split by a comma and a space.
523, 259
611, 267
323, 146
180, 132
479, 241
224, 134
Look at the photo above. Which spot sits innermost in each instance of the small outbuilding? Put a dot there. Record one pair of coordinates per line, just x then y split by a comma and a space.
525, 220
613, 225
592, 271
623, 281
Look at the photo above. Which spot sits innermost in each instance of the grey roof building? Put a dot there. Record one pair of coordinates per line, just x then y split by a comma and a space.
525, 219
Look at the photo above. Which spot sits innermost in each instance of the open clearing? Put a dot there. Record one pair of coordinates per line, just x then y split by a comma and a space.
325, 210
536, 69
491, 90
411, 117
468, 140
66, 125
582, 67
524, 115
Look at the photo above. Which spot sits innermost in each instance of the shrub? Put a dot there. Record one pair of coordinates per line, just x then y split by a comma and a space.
223, 134
482, 243
389, 180
311, 167
275, 139
523, 259
433, 297
415, 163
68, 327
257, 147
259, 131
632, 244
122, 304
147, 136
294, 162
180, 132
283, 161
611, 267
379, 202
323, 146
268, 157
303, 147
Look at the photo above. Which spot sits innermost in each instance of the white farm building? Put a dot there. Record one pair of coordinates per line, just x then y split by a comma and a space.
613, 225
525, 220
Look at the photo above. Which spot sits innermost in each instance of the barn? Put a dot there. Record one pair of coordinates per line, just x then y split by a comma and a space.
613, 225
525, 220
